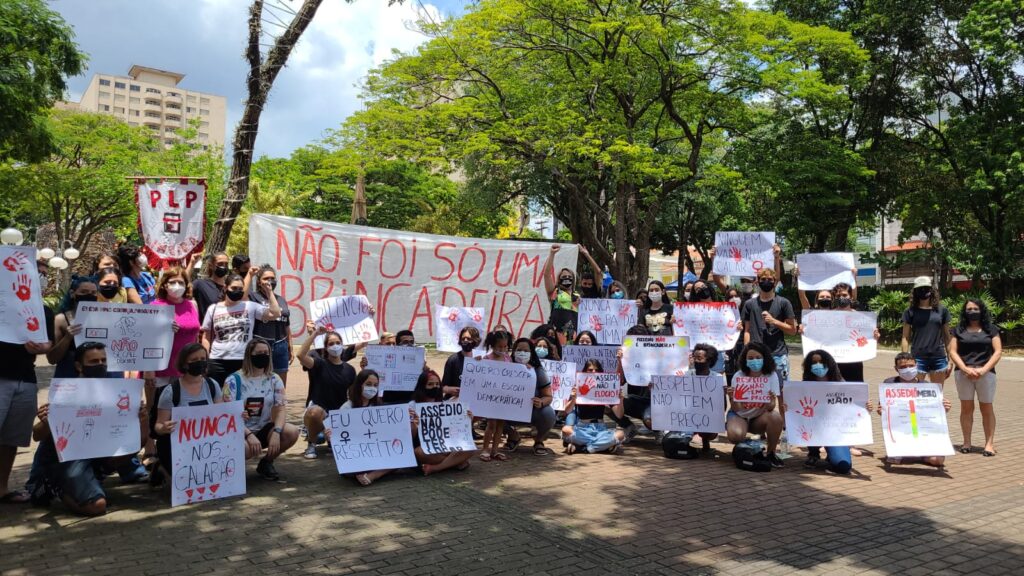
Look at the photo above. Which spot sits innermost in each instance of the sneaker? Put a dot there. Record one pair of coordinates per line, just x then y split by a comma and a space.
266, 470
658, 437
630, 433
775, 461
812, 460
133, 472
310, 453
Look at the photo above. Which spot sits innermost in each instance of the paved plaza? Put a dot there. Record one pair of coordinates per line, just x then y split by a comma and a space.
632, 513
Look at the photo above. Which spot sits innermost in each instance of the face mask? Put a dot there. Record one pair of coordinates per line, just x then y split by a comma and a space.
467, 346
175, 290
766, 285
737, 301
522, 357
565, 282
843, 302
755, 364
703, 294
408, 344
654, 295
369, 392
142, 261
234, 295
109, 291
686, 295
617, 295
908, 373
96, 371
923, 294
272, 284
700, 367
335, 350
220, 271
824, 303
819, 370
542, 352
261, 361
196, 368
974, 316
85, 298
434, 393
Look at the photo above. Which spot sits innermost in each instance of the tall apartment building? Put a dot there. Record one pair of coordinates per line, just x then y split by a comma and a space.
152, 98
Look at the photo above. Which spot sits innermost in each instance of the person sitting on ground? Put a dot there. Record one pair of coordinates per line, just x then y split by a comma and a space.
584, 426
907, 373
755, 361
820, 366
329, 381
362, 394
428, 389
704, 357
543, 416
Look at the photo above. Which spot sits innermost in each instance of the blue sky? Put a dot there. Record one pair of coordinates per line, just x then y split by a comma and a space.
204, 39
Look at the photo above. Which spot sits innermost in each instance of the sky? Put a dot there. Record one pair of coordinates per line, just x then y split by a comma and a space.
205, 40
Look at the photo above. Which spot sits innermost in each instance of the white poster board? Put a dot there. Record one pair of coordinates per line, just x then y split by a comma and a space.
499, 390
714, 323
450, 320
822, 271
208, 453
647, 356
21, 299
608, 319
743, 253
172, 217
371, 438
397, 366
598, 388
914, 420
827, 414
562, 376
688, 403
94, 417
349, 316
137, 336
754, 389
849, 336
578, 355
445, 427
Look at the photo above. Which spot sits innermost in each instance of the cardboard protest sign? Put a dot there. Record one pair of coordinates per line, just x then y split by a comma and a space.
578, 355
445, 427
822, 271
94, 417
647, 356
688, 403
137, 336
714, 323
598, 388
849, 336
608, 319
371, 438
499, 390
743, 253
172, 217
406, 274
398, 366
914, 420
21, 299
349, 316
753, 389
828, 413
208, 453
562, 376
451, 320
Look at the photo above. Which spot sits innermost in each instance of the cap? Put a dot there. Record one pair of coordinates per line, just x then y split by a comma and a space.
922, 282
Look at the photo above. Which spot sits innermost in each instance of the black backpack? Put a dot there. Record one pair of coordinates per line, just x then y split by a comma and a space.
677, 445
750, 455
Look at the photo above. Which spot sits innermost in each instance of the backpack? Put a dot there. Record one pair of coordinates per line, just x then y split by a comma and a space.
750, 455
677, 445
176, 391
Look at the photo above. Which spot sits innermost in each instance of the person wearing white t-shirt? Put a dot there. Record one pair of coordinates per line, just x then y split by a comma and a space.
228, 325
755, 363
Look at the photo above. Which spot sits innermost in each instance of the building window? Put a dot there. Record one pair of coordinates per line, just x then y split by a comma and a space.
152, 91
118, 97
104, 95
204, 100
119, 85
118, 110
105, 107
190, 110
135, 88
152, 102
152, 114
192, 99
133, 112
174, 94
173, 105
133, 100
204, 112
203, 136
104, 82
204, 124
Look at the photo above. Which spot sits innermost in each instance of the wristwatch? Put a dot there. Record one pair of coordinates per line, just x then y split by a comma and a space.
278, 429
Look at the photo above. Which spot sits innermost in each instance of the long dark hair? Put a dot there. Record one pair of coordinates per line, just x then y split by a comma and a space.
68, 303
986, 315
830, 363
593, 339
710, 288
933, 301
593, 363
419, 394
534, 361
665, 300
769, 361
355, 391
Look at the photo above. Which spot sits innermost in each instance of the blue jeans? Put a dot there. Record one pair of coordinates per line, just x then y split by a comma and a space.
929, 365
80, 480
594, 436
279, 356
839, 458
782, 368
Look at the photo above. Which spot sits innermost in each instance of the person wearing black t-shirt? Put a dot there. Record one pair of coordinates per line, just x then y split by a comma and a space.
451, 381
926, 332
329, 380
209, 290
975, 349
768, 319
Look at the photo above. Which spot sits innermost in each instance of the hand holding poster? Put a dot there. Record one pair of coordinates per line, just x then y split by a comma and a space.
208, 453
349, 316
743, 253
714, 323
562, 376
445, 427
646, 356
94, 417
137, 336
753, 389
914, 419
598, 388
849, 336
688, 403
608, 319
822, 271
499, 390
578, 355
22, 319
372, 438
451, 320
828, 413
398, 366
172, 217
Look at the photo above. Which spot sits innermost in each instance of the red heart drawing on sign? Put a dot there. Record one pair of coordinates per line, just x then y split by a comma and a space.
213, 488
188, 492
201, 489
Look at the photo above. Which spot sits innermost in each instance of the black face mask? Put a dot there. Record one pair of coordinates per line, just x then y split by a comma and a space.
700, 367
85, 298
702, 294
261, 361
234, 295
109, 292
434, 393
566, 282
467, 346
272, 284
766, 285
824, 303
220, 271
95, 371
923, 293
843, 302
974, 316
196, 368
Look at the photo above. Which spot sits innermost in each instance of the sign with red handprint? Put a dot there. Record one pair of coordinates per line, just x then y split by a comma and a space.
608, 319
349, 316
714, 323
598, 388
743, 253
752, 389
94, 417
21, 301
451, 320
848, 335
828, 413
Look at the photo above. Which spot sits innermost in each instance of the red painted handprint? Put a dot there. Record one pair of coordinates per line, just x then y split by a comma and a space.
740, 392
477, 317
595, 323
678, 321
588, 383
22, 287
806, 407
31, 321
453, 315
735, 254
16, 262
805, 434
62, 438
859, 338
625, 309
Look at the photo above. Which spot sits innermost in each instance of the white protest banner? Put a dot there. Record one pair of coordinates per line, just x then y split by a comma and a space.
647, 356
598, 388
914, 419
398, 366
828, 413
578, 355
688, 403
21, 299
849, 336
451, 320
743, 253
349, 316
208, 453
172, 217
714, 323
445, 427
94, 417
562, 376
822, 271
406, 274
499, 390
371, 438
752, 389
137, 336
608, 319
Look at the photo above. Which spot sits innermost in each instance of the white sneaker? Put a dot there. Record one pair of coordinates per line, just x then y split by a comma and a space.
310, 453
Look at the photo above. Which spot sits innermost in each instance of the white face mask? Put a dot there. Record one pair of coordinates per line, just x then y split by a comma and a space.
142, 261
522, 357
686, 294
335, 350
369, 392
175, 290
737, 300
908, 373
654, 295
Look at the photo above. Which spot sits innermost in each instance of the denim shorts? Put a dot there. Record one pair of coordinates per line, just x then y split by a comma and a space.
280, 356
929, 365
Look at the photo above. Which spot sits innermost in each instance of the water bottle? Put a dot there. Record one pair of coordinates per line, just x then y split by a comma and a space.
783, 446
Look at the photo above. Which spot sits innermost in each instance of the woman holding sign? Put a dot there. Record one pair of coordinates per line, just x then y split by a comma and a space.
108, 286
819, 366
842, 298
428, 390
228, 325
564, 300
752, 396
543, 416
657, 310
330, 378
62, 353
497, 345
975, 350
926, 332
469, 340
585, 428
275, 331
363, 393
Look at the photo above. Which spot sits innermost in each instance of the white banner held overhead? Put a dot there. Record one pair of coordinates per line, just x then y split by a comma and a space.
451, 320
714, 323
399, 367
349, 316
137, 336
743, 254
848, 335
608, 319
22, 318
172, 217
822, 271
94, 417
827, 414
914, 419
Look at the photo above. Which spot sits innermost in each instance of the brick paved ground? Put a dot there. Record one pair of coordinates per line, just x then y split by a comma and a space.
635, 513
